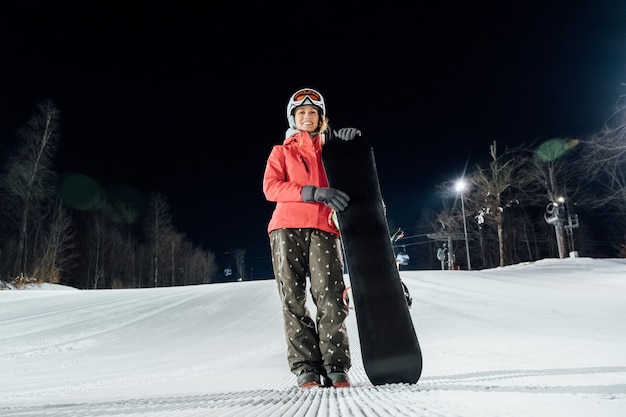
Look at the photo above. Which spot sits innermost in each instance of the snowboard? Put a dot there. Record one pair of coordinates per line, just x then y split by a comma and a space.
389, 346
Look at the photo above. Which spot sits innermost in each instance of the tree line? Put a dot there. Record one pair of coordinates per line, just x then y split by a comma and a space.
558, 198
68, 229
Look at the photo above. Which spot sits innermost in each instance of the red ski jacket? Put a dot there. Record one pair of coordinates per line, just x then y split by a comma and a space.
290, 166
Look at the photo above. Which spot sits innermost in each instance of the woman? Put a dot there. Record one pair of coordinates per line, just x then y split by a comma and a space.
305, 243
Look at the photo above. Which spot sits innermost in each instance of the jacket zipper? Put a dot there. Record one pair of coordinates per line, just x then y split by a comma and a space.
304, 162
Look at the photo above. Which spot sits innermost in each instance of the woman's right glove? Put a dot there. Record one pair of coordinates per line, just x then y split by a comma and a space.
332, 197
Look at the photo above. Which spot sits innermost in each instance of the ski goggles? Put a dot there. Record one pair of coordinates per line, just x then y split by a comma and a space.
306, 96
301, 95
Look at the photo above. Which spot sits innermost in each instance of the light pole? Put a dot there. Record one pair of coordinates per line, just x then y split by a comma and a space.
460, 187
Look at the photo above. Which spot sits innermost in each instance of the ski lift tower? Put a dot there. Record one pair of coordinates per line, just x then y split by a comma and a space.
447, 238
572, 223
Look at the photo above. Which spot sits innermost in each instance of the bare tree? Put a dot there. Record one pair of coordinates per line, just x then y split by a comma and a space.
95, 248
209, 267
554, 177
604, 162
56, 250
158, 225
29, 188
174, 246
490, 186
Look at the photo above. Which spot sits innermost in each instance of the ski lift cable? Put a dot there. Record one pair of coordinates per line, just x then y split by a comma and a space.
412, 244
413, 236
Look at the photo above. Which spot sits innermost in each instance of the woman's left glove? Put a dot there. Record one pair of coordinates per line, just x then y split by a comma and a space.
333, 198
347, 133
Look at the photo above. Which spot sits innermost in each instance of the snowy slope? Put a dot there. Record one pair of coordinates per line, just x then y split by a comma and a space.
538, 339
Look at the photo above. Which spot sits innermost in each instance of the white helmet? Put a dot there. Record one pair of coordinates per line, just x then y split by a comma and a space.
306, 96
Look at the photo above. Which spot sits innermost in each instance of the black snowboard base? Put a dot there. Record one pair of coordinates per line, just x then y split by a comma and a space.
389, 345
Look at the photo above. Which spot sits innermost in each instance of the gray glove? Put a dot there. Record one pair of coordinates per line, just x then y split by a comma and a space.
333, 198
347, 133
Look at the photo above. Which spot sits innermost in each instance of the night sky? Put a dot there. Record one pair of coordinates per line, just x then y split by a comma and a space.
187, 99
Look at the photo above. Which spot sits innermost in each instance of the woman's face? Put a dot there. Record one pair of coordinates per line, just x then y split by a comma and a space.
307, 118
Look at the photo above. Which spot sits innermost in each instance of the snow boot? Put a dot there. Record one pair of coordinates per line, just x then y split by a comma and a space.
337, 377
309, 379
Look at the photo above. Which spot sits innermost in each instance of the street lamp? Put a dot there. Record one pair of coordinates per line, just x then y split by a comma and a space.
460, 186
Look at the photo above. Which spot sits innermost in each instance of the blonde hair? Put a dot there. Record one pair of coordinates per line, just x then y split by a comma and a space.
323, 126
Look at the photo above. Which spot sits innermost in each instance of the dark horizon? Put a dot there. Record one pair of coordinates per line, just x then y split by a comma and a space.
189, 102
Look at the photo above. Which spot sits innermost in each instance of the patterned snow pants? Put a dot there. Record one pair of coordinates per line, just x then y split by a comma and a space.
297, 253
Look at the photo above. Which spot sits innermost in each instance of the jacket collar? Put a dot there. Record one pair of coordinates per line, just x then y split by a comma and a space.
302, 138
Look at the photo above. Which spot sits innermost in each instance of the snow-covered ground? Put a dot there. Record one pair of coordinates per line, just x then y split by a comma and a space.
538, 339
